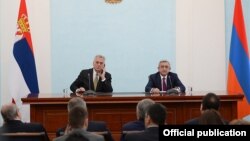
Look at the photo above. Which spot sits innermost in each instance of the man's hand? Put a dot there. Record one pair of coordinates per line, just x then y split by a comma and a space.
102, 74
79, 91
155, 91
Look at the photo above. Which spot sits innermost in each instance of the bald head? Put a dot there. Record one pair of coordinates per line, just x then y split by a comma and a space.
76, 102
10, 112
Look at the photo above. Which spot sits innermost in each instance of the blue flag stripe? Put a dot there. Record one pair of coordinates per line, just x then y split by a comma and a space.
240, 62
25, 59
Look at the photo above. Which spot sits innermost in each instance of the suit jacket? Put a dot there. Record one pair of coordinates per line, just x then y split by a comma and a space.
93, 126
83, 81
88, 135
172, 82
13, 126
137, 125
149, 134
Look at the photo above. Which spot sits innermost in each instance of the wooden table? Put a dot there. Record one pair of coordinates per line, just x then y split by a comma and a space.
119, 108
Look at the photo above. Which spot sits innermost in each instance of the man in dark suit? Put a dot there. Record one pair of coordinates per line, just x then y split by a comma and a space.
13, 123
99, 79
164, 80
209, 101
93, 126
138, 125
78, 122
155, 116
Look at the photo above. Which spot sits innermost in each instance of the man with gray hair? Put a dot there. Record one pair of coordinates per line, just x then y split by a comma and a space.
138, 125
13, 123
164, 80
96, 78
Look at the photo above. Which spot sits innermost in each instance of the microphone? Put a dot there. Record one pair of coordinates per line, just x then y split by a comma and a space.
172, 91
89, 92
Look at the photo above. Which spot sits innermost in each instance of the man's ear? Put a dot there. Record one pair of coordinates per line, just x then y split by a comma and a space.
147, 120
201, 108
19, 115
86, 122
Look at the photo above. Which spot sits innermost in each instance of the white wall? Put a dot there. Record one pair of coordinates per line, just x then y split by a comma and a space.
200, 44
133, 35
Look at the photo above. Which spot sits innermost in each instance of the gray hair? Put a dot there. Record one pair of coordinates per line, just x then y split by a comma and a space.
142, 107
100, 56
9, 112
164, 61
76, 102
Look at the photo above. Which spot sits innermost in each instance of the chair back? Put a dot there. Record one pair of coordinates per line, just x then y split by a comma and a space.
23, 136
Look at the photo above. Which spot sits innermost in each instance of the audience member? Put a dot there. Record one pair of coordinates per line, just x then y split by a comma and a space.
247, 118
78, 123
76, 137
93, 126
239, 122
211, 117
155, 116
12, 122
209, 101
138, 125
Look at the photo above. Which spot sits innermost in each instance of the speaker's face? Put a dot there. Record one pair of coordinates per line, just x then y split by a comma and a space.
98, 64
164, 68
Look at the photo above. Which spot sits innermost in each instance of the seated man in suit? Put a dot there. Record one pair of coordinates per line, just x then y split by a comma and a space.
78, 123
155, 116
13, 123
138, 125
93, 126
209, 101
164, 80
96, 78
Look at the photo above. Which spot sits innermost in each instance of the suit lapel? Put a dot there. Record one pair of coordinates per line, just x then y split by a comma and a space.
158, 81
91, 79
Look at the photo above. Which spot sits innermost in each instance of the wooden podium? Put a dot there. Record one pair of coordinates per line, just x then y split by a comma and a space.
118, 108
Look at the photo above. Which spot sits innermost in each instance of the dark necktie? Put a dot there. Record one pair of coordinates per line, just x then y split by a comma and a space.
164, 85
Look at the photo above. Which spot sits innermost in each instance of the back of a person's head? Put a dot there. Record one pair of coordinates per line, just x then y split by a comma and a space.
211, 117
157, 113
76, 102
76, 136
77, 117
9, 112
142, 107
210, 101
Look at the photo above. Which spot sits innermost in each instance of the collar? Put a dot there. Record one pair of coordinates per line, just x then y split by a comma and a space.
163, 76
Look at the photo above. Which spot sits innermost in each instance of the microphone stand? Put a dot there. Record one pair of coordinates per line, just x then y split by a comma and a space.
89, 92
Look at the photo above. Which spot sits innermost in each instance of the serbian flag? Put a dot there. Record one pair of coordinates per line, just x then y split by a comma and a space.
23, 76
239, 67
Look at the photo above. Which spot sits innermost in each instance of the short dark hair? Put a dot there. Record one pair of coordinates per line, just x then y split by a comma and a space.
77, 116
210, 101
157, 113
76, 136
